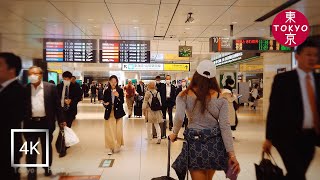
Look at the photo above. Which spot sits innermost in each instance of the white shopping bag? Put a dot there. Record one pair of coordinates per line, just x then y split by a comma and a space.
70, 137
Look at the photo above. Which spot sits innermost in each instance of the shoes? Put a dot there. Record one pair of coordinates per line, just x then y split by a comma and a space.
62, 154
129, 116
159, 141
32, 175
170, 128
48, 173
110, 152
164, 137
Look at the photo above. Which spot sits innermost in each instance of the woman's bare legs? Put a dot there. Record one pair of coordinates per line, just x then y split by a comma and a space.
202, 174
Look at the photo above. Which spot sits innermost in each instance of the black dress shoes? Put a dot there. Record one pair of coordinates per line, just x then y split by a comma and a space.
47, 172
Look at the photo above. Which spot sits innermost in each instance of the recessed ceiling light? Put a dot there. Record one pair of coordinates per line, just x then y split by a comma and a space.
187, 28
262, 29
90, 19
135, 20
225, 29
234, 22
136, 27
95, 26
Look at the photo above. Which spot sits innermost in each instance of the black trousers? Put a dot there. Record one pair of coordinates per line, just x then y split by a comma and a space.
69, 117
297, 155
166, 108
34, 137
93, 96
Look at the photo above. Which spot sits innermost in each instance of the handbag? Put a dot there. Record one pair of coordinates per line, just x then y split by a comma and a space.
267, 170
60, 144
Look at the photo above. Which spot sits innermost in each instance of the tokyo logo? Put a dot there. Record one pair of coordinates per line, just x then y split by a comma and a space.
290, 28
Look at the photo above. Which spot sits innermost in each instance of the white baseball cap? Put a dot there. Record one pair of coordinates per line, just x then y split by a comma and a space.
207, 69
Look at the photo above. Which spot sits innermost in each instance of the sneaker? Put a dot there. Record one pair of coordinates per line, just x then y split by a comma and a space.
110, 152
159, 141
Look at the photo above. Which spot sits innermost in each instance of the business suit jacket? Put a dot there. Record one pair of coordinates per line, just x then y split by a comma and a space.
179, 90
172, 100
52, 106
139, 91
74, 95
286, 112
118, 104
13, 103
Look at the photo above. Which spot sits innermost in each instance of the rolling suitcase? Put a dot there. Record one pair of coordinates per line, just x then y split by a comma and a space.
167, 177
137, 108
137, 111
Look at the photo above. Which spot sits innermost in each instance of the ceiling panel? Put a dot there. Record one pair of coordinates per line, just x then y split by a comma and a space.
259, 3
137, 30
8, 16
222, 30
256, 30
134, 13
85, 12
105, 30
134, 1
186, 31
207, 2
161, 29
166, 12
60, 28
242, 15
36, 11
203, 15
22, 28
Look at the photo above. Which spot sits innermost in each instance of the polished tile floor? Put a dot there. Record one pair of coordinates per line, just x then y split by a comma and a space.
140, 160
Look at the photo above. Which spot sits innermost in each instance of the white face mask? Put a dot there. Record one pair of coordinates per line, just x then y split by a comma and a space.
66, 82
33, 79
168, 81
183, 84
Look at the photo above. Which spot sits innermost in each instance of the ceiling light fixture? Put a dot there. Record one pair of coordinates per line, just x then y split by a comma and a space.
136, 27
234, 22
225, 29
187, 28
190, 19
90, 19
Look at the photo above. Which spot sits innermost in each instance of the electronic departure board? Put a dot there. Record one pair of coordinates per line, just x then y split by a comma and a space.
70, 50
258, 45
124, 51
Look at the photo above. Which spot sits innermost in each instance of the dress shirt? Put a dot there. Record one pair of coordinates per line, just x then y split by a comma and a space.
168, 90
113, 97
6, 83
142, 89
184, 88
308, 118
37, 101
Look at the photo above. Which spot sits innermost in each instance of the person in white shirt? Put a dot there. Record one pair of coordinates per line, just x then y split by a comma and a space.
169, 100
44, 109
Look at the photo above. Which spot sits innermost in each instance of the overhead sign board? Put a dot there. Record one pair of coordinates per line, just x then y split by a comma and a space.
185, 51
177, 67
69, 50
258, 44
155, 67
124, 51
234, 57
173, 57
141, 67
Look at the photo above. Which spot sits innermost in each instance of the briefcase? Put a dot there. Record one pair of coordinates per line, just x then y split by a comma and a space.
267, 170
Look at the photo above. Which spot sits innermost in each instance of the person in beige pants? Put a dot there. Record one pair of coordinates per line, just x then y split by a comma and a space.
130, 93
113, 103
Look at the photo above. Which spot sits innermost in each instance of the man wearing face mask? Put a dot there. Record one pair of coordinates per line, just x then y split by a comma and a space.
69, 97
180, 89
43, 110
169, 100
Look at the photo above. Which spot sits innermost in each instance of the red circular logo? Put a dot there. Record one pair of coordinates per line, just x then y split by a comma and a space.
290, 28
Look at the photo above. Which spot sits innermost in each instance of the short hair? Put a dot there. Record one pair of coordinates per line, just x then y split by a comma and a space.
168, 75
12, 61
158, 77
67, 74
229, 81
36, 67
305, 44
74, 77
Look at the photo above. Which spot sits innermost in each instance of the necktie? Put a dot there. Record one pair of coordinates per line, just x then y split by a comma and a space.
66, 96
313, 104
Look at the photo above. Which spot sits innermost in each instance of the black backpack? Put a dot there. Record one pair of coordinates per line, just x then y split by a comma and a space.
155, 103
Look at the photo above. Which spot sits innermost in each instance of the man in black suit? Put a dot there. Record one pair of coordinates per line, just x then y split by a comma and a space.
94, 92
43, 110
140, 88
168, 100
12, 112
293, 118
69, 96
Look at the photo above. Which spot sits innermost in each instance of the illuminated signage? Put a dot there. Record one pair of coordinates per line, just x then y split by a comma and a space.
234, 57
225, 44
177, 67
155, 67
69, 50
124, 51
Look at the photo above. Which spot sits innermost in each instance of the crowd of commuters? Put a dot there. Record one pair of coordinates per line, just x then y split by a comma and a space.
208, 112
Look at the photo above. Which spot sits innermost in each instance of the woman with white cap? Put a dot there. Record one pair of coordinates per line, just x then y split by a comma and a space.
209, 140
